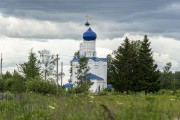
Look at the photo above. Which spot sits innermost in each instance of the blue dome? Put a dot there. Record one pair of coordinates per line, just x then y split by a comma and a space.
89, 35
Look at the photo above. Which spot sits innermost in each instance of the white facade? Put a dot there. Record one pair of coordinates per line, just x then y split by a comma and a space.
98, 66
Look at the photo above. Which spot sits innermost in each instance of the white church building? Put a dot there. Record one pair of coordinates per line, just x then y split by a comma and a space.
98, 66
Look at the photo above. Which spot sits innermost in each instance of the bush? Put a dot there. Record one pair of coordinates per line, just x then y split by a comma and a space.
41, 86
2, 85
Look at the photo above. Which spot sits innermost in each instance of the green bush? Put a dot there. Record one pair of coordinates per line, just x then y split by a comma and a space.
41, 86
2, 85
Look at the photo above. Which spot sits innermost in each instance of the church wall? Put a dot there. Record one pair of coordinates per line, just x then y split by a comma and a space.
97, 84
87, 48
98, 68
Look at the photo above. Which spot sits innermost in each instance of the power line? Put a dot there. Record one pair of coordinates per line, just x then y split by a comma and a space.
61, 73
57, 72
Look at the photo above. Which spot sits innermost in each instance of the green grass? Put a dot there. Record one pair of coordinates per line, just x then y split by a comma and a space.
32, 106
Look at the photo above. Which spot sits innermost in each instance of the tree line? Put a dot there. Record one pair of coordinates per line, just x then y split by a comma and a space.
131, 68
36, 75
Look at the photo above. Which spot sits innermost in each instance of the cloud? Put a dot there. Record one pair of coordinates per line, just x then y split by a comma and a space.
59, 19
162, 59
30, 28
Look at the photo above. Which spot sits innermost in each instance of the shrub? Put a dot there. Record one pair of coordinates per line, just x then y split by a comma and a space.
41, 86
2, 85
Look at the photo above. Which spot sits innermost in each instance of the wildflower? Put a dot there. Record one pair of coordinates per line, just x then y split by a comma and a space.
52, 107
172, 99
119, 103
91, 97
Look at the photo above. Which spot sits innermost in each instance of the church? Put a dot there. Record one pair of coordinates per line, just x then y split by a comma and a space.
97, 66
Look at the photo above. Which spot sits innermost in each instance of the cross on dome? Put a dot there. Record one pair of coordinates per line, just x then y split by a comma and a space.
89, 35
88, 21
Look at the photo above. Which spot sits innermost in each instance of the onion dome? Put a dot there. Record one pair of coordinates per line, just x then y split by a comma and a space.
89, 35
87, 24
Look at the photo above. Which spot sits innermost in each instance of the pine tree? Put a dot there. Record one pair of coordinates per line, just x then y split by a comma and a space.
148, 74
124, 67
30, 68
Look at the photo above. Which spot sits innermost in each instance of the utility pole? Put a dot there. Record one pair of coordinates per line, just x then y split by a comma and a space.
1, 64
61, 72
57, 75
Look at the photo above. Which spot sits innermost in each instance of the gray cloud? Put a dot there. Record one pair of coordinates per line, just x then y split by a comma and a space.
111, 18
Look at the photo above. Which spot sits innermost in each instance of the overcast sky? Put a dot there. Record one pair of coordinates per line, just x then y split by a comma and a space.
58, 25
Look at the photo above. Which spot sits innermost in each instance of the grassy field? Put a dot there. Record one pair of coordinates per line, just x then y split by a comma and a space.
32, 106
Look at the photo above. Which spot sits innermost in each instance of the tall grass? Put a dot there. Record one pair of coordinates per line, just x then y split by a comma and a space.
30, 106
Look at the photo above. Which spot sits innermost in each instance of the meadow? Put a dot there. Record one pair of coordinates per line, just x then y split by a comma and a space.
31, 106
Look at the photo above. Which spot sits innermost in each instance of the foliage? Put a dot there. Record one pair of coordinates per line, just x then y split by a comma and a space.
166, 77
133, 68
30, 68
47, 63
30, 106
147, 68
18, 85
109, 69
77, 54
12, 82
83, 83
124, 66
2, 84
41, 86
7, 75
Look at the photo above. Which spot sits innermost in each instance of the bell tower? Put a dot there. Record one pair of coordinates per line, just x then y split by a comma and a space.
88, 46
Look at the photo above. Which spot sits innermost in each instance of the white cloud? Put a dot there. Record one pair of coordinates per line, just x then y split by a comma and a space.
162, 59
31, 28
173, 6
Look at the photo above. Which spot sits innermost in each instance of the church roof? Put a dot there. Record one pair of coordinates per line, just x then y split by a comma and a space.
89, 35
68, 85
93, 77
96, 59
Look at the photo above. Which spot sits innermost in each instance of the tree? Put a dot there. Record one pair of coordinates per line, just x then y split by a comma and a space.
84, 82
13, 82
30, 68
18, 83
7, 75
166, 77
77, 54
124, 66
47, 63
109, 68
148, 73
176, 81
38, 85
